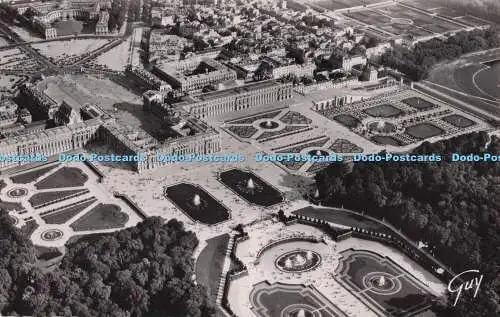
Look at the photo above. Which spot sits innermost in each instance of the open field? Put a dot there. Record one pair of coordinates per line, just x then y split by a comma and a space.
117, 57
399, 19
476, 75
67, 48
342, 4
77, 90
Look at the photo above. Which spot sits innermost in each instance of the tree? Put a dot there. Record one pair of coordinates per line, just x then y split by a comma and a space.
127, 273
454, 207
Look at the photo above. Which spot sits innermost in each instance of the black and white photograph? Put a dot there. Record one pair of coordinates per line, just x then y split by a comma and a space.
250, 158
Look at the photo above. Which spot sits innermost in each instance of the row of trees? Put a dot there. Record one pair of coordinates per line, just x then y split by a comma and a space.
117, 14
139, 271
454, 207
416, 62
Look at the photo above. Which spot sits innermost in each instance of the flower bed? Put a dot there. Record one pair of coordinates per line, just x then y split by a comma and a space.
293, 117
242, 131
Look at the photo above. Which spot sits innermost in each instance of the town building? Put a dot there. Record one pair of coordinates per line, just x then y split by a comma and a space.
39, 104
101, 27
349, 61
194, 74
46, 13
48, 142
279, 67
165, 46
147, 79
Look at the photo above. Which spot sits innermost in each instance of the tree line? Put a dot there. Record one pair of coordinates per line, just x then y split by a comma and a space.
416, 62
144, 270
452, 207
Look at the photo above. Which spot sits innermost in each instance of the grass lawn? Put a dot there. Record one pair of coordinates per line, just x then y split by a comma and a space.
65, 214
383, 111
47, 197
342, 217
31, 176
102, 216
424, 130
418, 103
210, 263
64, 177
458, 121
347, 120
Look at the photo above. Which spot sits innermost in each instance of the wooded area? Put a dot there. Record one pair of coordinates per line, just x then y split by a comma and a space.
454, 207
144, 270
417, 62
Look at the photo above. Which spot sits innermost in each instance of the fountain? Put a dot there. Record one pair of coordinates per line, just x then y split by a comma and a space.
316, 193
381, 281
301, 313
309, 255
250, 184
196, 200
318, 153
380, 125
269, 123
300, 260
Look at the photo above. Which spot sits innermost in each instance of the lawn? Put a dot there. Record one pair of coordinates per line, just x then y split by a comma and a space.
383, 111
343, 218
418, 103
45, 198
46, 254
31, 176
210, 263
8, 206
423, 131
64, 177
63, 215
347, 120
458, 121
102, 216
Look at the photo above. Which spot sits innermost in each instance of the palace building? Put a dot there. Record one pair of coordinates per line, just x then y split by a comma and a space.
48, 142
199, 139
236, 99
336, 97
